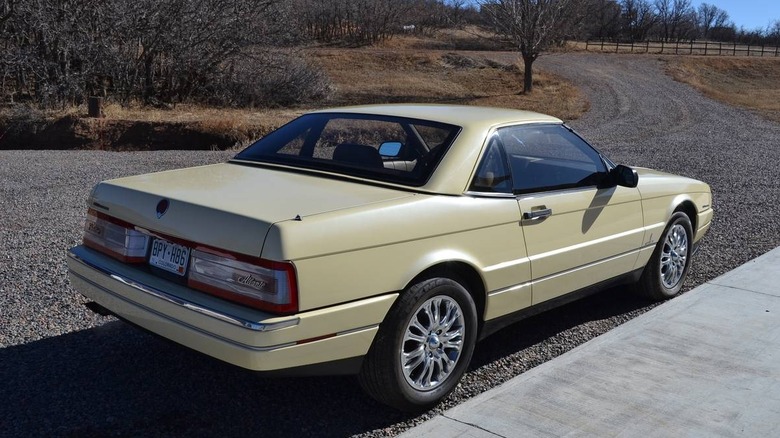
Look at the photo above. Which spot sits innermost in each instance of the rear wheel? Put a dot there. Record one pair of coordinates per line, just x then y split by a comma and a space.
664, 275
423, 347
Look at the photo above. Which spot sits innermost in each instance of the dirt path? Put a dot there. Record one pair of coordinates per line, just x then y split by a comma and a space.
640, 116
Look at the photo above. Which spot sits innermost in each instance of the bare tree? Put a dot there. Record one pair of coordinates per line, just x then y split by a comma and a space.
638, 18
55, 52
676, 18
356, 22
532, 26
773, 32
602, 18
711, 16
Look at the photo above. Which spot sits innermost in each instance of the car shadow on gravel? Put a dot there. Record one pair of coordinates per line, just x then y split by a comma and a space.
114, 380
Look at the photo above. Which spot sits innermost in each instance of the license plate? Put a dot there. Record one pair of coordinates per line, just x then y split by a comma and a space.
169, 256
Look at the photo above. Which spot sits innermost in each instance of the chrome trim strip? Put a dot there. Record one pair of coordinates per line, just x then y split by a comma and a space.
488, 194
574, 269
552, 192
506, 265
184, 324
510, 289
359, 329
586, 244
231, 319
594, 263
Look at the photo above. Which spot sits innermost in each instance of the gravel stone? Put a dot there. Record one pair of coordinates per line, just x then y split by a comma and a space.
68, 372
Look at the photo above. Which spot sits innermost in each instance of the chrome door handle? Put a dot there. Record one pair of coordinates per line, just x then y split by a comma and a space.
535, 215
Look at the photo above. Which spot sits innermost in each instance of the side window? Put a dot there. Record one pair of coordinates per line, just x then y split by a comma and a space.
549, 157
493, 172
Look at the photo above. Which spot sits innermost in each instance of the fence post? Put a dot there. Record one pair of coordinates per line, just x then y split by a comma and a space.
776, 51
735, 49
762, 50
587, 42
662, 47
720, 49
647, 50
632, 46
602, 44
691, 48
95, 107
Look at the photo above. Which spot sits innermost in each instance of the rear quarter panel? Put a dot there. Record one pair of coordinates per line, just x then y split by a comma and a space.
375, 249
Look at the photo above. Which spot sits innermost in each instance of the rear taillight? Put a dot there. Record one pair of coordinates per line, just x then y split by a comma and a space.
114, 238
250, 281
254, 282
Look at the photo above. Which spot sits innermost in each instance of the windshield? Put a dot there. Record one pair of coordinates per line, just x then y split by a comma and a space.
383, 148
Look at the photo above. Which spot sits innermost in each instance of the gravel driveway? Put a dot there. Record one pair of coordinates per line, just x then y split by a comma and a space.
66, 372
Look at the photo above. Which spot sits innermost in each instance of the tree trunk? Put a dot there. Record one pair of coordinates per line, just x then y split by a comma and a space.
528, 80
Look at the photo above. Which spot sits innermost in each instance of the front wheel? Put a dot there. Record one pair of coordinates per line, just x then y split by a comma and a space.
423, 347
665, 273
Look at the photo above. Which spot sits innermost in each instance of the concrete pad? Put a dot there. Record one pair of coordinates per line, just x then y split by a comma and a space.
704, 364
758, 275
442, 427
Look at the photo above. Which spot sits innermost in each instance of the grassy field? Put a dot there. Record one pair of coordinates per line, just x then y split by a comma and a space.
469, 78
456, 66
402, 71
752, 83
446, 68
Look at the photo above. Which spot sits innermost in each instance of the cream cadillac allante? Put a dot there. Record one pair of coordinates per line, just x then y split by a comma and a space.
382, 241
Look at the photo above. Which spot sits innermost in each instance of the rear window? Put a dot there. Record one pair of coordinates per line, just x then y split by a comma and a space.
391, 149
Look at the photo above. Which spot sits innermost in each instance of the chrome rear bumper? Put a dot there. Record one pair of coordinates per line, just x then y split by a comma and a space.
236, 334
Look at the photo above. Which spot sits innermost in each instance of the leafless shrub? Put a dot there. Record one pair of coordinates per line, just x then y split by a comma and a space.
56, 52
362, 22
269, 78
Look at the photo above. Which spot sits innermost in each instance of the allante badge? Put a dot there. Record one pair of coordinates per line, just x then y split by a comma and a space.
162, 207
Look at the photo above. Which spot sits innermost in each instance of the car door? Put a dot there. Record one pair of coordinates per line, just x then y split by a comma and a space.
493, 181
578, 229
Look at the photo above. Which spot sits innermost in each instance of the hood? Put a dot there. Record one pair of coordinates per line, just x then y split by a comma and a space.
229, 206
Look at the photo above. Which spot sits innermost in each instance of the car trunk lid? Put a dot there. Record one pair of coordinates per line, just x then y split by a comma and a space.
228, 206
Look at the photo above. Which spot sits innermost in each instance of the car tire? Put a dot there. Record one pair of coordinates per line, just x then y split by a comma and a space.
423, 346
665, 273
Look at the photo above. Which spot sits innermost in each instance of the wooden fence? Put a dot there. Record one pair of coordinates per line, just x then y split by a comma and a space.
683, 48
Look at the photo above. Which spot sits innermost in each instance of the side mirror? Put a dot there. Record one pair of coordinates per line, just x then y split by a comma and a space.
624, 176
390, 148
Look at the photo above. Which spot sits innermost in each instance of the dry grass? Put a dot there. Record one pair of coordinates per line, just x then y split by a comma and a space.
397, 74
383, 75
752, 83
386, 76
235, 123
468, 38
